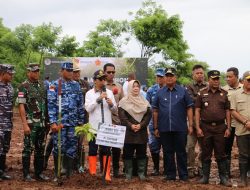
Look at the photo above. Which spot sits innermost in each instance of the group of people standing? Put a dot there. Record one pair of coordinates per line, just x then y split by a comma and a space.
171, 117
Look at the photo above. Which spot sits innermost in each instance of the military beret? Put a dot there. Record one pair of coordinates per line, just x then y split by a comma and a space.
246, 75
7, 68
160, 72
170, 71
67, 65
33, 67
213, 74
99, 74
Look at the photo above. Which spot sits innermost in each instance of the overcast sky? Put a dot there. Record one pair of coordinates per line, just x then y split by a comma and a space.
217, 31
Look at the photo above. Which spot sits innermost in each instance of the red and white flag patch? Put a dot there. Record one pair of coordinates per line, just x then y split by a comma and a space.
20, 94
52, 88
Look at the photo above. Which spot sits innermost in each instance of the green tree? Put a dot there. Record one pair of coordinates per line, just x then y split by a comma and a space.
24, 34
159, 33
67, 46
45, 38
106, 40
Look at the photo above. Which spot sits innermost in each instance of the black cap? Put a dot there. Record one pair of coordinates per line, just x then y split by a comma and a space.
33, 67
99, 74
7, 68
170, 71
213, 74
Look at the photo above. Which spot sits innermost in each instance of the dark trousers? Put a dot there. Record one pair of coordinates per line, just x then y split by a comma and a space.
139, 149
5, 137
229, 144
174, 143
93, 148
116, 152
213, 140
243, 143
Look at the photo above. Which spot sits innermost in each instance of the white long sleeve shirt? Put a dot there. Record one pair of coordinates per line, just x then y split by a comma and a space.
94, 109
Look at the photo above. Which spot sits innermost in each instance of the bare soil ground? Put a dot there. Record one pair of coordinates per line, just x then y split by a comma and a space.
85, 181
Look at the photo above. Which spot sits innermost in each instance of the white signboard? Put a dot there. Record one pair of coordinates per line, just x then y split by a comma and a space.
111, 135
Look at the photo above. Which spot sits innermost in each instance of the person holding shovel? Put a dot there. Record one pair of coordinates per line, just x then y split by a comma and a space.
71, 115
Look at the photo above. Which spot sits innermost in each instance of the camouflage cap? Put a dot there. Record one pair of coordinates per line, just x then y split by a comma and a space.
33, 67
7, 68
99, 74
246, 75
213, 74
67, 65
160, 72
170, 71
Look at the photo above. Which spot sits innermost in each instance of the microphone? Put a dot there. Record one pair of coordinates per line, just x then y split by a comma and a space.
104, 90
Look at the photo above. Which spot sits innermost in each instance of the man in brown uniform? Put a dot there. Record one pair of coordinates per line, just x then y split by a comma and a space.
116, 88
193, 89
240, 109
211, 109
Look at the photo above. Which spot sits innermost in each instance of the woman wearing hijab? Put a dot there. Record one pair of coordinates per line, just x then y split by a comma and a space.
135, 114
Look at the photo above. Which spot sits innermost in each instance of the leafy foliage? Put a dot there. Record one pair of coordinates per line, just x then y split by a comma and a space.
85, 130
159, 33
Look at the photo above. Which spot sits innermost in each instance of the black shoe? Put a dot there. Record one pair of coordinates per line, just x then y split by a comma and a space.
155, 173
42, 177
4, 176
28, 178
167, 178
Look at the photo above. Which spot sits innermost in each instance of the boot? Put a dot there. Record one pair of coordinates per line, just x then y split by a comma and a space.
128, 169
206, 172
115, 163
1, 172
228, 168
63, 166
156, 160
38, 166
223, 173
107, 176
26, 169
141, 168
69, 166
243, 175
3, 175
92, 165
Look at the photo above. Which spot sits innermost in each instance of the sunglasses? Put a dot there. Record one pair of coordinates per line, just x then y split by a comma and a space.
109, 72
248, 80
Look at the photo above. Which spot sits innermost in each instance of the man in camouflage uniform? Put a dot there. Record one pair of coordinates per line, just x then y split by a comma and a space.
80, 160
72, 115
153, 141
6, 114
32, 108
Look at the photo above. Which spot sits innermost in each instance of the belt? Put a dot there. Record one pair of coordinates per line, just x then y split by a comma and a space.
214, 123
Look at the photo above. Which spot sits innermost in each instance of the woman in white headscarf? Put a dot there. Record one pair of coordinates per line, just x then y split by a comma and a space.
135, 114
